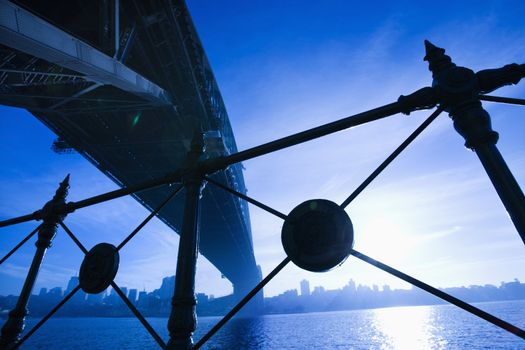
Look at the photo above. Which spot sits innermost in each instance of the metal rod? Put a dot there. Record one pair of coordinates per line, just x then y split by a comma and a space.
15, 323
73, 237
182, 321
138, 315
304, 136
243, 302
505, 184
28, 237
150, 216
47, 317
391, 157
509, 100
72, 206
146, 185
18, 220
246, 198
440, 294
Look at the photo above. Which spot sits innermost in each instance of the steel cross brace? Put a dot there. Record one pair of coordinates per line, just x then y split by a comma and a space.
458, 90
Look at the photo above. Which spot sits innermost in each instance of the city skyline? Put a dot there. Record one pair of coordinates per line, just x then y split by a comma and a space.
167, 284
351, 296
282, 69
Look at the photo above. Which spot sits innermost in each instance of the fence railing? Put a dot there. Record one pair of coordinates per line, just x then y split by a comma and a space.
317, 235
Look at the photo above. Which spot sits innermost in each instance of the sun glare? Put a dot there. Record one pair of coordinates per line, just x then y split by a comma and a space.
385, 238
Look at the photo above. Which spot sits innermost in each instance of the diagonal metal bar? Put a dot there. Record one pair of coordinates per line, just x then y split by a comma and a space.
150, 216
246, 198
391, 157
146, 185
73, 237
243, 302
72, 206
27, 238
440, 294
18, 220
47, 317
304, 136
509, 100
138, 315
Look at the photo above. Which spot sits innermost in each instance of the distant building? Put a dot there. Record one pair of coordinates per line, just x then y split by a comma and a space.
96, 299
55, 292
318, 290
166, 289
351, 286
80, 296
201, 298
43, 292
305, 288
143, 299
132, 296
72, 284
112, 298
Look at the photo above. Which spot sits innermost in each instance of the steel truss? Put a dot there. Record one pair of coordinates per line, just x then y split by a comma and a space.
456, 90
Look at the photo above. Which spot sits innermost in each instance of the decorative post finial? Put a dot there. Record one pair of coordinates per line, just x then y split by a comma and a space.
63, 189
436, 58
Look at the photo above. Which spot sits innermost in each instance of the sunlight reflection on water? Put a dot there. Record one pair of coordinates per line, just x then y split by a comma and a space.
407, 328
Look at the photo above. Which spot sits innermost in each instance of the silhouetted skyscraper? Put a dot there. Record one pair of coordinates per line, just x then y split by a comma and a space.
143, 297
351, 286
80, 296
166, 289
73, 282
305, 288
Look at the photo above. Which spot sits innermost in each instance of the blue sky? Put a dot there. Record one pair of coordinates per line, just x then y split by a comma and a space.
283, 67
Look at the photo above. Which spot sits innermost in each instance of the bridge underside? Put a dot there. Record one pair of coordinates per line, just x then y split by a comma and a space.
127, 85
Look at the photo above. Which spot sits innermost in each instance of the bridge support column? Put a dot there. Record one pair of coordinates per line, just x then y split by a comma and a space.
255, 306
183, 318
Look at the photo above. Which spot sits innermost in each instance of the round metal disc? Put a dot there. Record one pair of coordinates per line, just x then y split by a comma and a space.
99, 268
317, 235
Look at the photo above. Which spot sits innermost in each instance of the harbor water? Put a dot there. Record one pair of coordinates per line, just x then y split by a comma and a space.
417, 327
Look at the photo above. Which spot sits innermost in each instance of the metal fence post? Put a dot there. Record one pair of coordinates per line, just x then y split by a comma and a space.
459, 90
14, 325
183, 319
